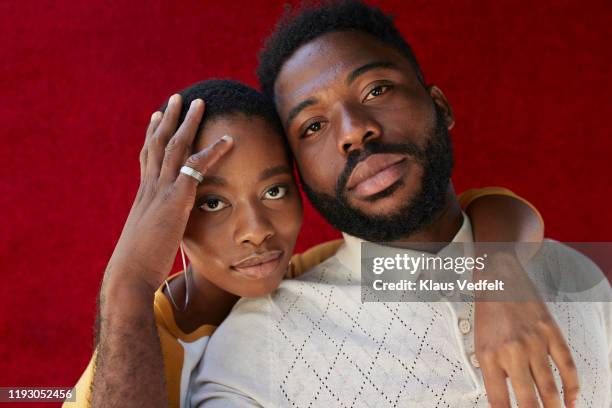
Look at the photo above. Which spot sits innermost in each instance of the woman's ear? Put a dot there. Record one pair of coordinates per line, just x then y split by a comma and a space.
442, 103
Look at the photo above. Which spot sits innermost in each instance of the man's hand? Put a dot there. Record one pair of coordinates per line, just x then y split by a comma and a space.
514, 339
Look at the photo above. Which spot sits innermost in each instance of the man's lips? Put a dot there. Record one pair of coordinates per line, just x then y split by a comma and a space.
258, 265
376, 173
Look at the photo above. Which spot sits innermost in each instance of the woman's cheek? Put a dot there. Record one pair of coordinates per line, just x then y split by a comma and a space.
208, 237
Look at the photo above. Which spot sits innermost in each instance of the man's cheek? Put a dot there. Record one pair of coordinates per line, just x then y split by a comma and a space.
407, 123
319, 174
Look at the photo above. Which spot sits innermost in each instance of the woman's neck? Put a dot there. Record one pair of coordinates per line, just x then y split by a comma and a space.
208, 304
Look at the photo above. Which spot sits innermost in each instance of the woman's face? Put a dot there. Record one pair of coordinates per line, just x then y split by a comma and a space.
247, 215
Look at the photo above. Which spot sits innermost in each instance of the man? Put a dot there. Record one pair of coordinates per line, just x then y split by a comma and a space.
350, 94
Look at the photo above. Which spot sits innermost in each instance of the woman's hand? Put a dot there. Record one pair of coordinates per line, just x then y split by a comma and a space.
154, 228
515, 338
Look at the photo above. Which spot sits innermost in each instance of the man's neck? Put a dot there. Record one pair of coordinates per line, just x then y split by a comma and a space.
443, 228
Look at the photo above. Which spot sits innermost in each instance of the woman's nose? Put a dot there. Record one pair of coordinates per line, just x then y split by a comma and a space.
253, 227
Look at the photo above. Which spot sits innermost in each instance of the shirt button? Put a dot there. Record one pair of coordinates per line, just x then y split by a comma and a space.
474, 361
464, 326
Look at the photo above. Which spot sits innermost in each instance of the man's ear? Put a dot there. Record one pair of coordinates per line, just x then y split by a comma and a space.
442, 103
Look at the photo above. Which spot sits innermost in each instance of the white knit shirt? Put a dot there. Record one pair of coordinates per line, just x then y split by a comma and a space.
312, 343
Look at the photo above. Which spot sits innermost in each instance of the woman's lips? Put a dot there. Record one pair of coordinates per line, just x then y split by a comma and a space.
376, 173
258, 266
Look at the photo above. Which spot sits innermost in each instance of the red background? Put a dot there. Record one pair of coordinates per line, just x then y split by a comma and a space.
529, 82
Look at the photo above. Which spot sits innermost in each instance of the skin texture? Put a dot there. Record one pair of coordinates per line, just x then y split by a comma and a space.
343, 90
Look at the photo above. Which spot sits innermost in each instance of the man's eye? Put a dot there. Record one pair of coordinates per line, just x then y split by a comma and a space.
275, 193
312, 128
377, 91
212, 205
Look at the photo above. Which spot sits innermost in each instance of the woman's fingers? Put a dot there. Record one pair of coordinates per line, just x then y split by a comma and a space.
186, 185
562, 356
495, 383
545, 382
153, 124
159, 139
179, 146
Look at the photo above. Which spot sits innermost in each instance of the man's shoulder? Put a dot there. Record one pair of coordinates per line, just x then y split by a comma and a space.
561, 254
564, 270
314, 273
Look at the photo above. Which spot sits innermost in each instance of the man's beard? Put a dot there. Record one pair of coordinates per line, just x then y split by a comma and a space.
437, 162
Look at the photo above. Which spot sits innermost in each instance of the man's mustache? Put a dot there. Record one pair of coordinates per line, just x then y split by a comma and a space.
357, 156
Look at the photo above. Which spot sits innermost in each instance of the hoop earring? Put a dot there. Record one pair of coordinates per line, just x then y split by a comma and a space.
186, 283
186, 277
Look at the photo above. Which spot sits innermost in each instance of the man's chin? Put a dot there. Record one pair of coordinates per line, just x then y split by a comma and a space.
386, 203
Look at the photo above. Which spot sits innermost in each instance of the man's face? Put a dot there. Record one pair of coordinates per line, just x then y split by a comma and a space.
371, 142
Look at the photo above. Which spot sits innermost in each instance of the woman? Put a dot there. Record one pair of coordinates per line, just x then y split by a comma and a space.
237, 211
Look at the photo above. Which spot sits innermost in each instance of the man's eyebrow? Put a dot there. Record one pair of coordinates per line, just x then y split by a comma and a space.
213, 180
368, 67
351, 77
273, 171
298, 108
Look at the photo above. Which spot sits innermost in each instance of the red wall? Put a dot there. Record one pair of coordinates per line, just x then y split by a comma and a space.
529, 82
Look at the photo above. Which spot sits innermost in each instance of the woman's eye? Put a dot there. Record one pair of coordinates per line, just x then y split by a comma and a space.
376, 91
212, 205
275, 193
312, 128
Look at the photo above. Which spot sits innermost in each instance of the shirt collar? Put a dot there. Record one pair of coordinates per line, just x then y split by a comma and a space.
349, 254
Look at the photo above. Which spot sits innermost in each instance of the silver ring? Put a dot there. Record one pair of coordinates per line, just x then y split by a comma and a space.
193, 173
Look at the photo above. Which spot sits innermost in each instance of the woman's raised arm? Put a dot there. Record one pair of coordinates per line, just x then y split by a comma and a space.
129, 365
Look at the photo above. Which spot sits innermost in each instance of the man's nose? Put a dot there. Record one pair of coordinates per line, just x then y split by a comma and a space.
252, 226
357, 127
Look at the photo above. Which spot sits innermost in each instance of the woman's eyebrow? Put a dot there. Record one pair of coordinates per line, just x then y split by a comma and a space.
273, 171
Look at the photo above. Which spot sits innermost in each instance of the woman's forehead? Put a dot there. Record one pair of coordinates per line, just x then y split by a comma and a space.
256, 143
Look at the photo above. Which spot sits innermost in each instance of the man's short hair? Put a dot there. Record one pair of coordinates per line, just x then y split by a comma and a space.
226, 97
298, 27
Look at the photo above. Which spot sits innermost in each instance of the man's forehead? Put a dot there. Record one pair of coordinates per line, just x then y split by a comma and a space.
326, 60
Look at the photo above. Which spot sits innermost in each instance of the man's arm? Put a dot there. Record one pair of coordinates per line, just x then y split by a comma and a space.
499, 215
514, 339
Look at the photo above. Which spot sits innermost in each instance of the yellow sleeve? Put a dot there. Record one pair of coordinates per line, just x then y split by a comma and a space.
300, 263
468, 197
82, 389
